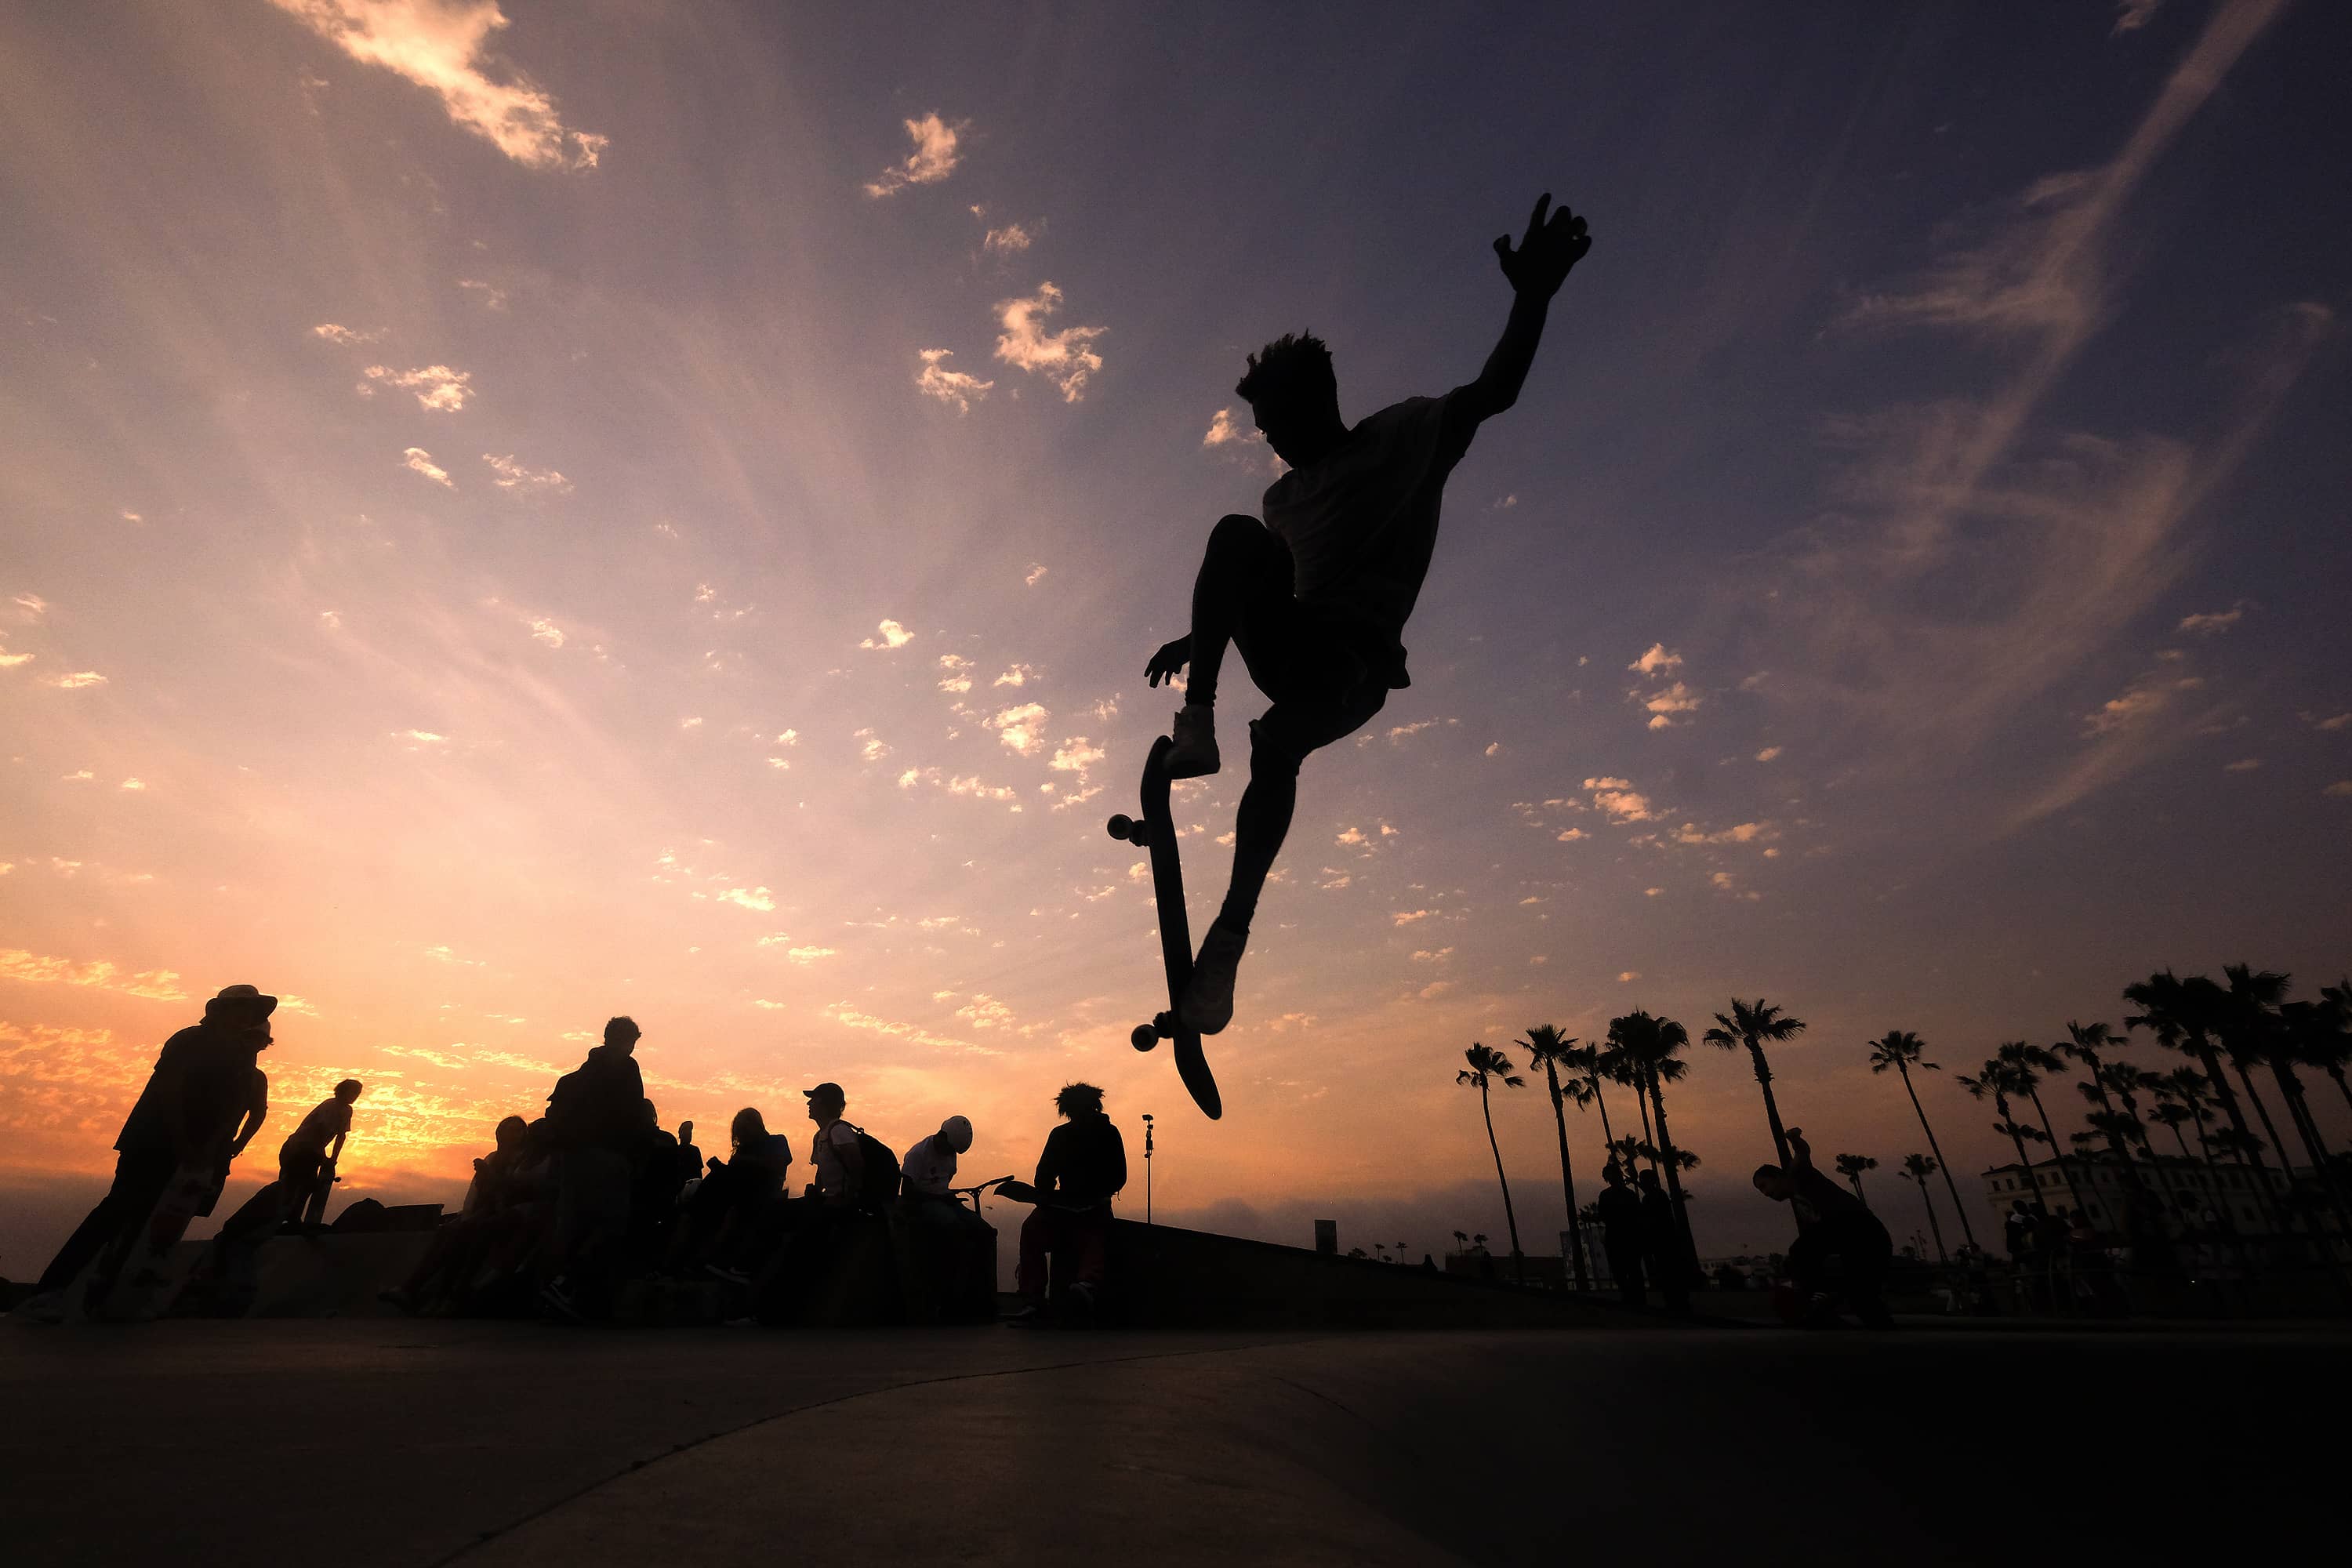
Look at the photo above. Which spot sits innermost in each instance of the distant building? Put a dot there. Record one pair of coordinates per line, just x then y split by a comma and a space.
2186, 1193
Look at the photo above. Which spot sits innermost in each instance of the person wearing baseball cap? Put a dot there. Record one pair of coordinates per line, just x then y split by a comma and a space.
203, 1101
928, 1169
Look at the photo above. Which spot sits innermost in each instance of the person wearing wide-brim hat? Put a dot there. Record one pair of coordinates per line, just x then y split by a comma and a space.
207, 1098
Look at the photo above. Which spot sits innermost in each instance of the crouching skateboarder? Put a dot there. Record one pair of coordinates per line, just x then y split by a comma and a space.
1317, 597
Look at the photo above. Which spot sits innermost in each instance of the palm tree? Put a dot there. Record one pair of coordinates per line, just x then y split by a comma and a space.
1995, 1078
2334, 1049
1754, 1025
1900, 1049
1489, 1066
1919, 1167
1851, 1166
2172, 1114
1462, 1241
1547, 1048
1654, 1046
2187, 1016
2130, 1081
2029, 1064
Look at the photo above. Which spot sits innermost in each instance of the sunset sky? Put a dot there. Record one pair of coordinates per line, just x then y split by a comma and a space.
516, 512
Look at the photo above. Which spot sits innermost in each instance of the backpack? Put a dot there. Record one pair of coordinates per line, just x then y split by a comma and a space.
880, 1184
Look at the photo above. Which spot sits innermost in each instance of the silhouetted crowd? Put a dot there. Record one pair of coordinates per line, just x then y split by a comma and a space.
570, 1210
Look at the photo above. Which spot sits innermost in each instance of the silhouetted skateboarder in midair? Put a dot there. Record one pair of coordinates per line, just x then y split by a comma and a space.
1317, 597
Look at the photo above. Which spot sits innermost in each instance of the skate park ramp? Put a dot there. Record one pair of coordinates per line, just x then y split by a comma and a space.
399, 1445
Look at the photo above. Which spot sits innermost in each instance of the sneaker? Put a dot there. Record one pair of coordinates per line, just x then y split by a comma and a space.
1194, 730
45, 1307
1032, 1316
1209, 999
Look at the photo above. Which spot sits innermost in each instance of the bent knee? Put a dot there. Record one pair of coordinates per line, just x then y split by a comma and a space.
1271, 755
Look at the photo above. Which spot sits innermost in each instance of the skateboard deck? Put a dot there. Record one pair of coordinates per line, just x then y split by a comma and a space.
314, 1212
1019, 1191
1156, 832
138, 1276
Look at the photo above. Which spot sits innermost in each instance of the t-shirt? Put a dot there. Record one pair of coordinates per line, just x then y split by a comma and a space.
930, 1167
1620, 1215
1085, 1161
326, 1122
1361, 523
832, 1169
205, 1068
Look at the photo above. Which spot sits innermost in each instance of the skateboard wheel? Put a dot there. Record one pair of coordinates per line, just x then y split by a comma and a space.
1123, 827
1143, 1038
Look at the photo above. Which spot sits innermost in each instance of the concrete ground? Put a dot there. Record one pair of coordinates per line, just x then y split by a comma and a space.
404, 1444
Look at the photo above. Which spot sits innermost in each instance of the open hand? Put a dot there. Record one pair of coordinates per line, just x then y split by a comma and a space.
1170, 661
1550, 247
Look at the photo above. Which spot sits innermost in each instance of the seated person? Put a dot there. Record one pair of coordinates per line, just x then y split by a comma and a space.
491, 1233
726, 1207
1832, 1223
306, 1160
654, 1187
929, 1168
806, 1230
1083, 1165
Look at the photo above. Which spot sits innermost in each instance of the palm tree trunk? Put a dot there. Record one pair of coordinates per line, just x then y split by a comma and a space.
2269, 1131
1641, 1098
1936, 1149
1855, 1181
2299, 1110
1927, 1198
2065, 1171
2211, 1060
1772, 1109
2344, 1087
1601, 1100
1518, 1262
1567, 1181
2032, 1185
1674, 1179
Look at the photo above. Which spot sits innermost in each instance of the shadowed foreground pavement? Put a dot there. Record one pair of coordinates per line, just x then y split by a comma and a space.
407, 1444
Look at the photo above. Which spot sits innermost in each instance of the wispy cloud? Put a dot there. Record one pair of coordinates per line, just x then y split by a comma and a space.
417, 460
934, 158
100, 975
1063, 358
437, 386
443, 46
510, 475
958, 389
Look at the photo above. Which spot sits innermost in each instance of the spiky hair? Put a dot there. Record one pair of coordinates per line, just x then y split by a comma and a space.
1077, 1097
1294, 362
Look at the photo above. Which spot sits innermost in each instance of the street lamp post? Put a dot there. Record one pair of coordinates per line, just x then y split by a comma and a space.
1147, 1168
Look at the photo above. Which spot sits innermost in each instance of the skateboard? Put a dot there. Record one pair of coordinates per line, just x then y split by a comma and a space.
315, 1211
1019, 1191
1156, 831
137, 1277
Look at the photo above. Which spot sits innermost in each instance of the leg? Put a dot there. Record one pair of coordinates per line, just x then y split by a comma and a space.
1246, 575
1029, 1276
140, 1179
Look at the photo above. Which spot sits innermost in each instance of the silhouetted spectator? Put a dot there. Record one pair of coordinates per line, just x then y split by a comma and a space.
1620, 1208
726, 1218
306, 1160
1082, 1167
597, 1114
809, 1228
489, 1235
202, 1104
928, 1169
2017, 1230
654, 1186
690, 1158
1662, 1244
1832, 1224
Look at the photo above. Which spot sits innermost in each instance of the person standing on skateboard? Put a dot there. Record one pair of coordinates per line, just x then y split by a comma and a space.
1316, 596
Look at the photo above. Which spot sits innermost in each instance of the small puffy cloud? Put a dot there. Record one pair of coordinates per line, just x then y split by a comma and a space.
420, 461
1407, 917
958, 389
1009, 240
1401, 732
2145, 697
1652, 892
809, 954
11, 660
1019, 727
2242, 766
1224, 430
958, 676
75, 681
1768, 753
1495, 748
443, 46
33, 604
1657, 660
2131, 16
437, 386
1570, 835
513, 476
1741, 832
330, 621
1627, 976
81, 776
1064, 358
1036, 575
1620, 799
2339, 722
888, 635
1435, 989
1663, 706
543, 630
870, 747
1433, 955
416, 738
489, 296
342, 336
133, 784
1018, 675
1076, 755
2212, 621
789, 738
1354, 838
2340, 787
934, 158
758, 898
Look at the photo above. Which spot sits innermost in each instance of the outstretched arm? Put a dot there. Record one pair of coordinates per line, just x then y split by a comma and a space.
1536, 269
